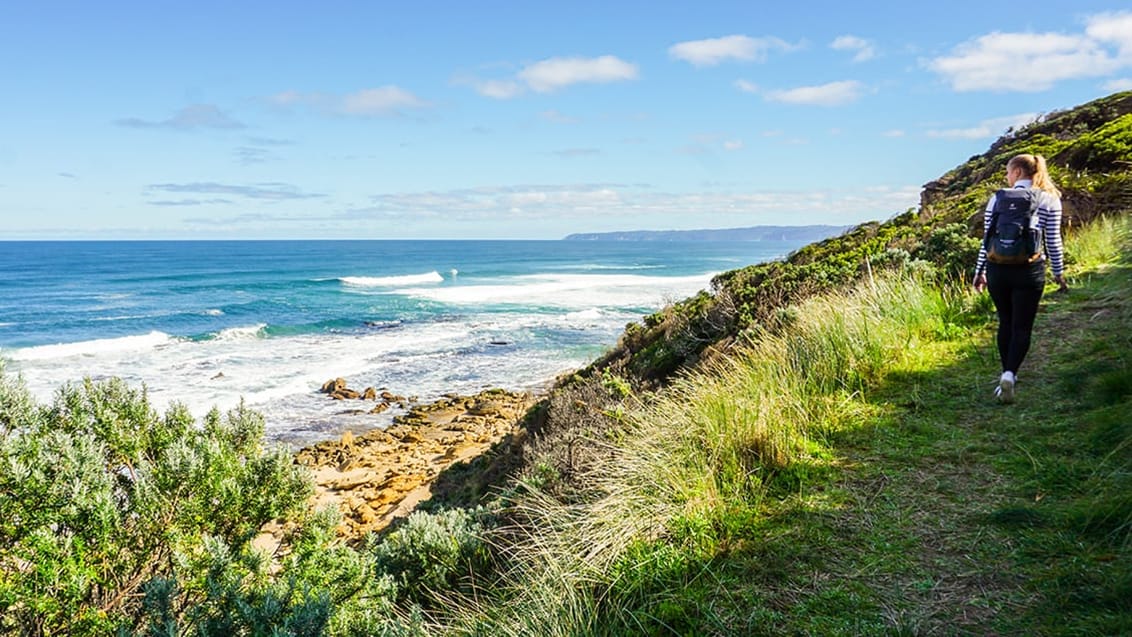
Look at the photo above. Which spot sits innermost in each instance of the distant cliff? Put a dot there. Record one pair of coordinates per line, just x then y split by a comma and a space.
753, 233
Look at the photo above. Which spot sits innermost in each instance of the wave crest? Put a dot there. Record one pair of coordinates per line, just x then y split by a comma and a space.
240, 333
91, 348
383, 281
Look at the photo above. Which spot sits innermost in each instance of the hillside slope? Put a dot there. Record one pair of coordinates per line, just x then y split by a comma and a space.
943, 457
1090, 150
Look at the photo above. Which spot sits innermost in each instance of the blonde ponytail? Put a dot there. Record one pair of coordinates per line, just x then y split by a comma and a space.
1034, 168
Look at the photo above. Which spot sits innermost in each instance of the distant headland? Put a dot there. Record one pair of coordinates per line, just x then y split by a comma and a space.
752, 233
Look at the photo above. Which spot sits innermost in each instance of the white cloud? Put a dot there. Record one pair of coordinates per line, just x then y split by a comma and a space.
643, 202
895, 132
1031, 62
499, 89
1117, 85
714, 51
1114, 28
863, 49
383, 101
831, 94
986, 128
733, 144
745, 86
386, 100
556, 73
190, 117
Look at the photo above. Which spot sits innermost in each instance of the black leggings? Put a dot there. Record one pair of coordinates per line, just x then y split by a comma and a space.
1016, 291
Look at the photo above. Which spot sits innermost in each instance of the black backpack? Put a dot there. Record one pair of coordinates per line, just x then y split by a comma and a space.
1015, 233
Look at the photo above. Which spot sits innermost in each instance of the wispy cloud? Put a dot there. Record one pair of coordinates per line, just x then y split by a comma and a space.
895, 132
746, 86
189, 202
557, 73
985, 129
831, 94
638, 201
188, 118
259, 150
383, 101
713, 51
498, 89
66, 175
1031, 62
1120, 84
861, 48
553, 74
256, 221
248, 155
271, 191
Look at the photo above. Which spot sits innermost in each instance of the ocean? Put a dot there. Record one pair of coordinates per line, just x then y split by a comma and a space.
208, 323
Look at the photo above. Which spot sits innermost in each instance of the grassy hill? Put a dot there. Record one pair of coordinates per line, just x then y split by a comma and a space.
810, 447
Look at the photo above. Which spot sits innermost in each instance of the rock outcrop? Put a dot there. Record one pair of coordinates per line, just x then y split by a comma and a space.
377, 476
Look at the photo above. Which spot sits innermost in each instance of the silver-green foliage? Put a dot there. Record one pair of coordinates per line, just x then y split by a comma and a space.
113, 517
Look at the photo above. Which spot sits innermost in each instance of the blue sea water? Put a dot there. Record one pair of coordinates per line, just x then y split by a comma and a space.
210, 323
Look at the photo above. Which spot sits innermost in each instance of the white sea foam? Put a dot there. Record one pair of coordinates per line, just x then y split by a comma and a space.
92, 348
591, 314
599, 266
573, 291
213, 312
279, 376
387, 281
241, 333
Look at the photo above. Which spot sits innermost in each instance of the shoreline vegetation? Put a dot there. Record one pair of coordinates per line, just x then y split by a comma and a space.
810, 447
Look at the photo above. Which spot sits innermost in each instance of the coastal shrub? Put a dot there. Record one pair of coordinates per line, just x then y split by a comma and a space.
430, 553
1098, 149
572, 434
112, 514
951, 249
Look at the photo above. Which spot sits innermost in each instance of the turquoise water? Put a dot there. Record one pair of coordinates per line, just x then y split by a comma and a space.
209, 323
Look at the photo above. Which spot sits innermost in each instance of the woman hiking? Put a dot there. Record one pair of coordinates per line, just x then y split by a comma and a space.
1021, 230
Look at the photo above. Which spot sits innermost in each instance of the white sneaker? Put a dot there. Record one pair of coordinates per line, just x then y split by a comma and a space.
1005, 390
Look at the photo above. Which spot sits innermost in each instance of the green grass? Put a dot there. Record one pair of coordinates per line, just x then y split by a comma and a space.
850, 474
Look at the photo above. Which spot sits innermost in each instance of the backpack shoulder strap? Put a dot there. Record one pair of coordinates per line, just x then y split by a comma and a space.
989, 231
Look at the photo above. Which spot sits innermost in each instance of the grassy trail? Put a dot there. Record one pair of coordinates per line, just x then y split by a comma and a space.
956, 515
853, 474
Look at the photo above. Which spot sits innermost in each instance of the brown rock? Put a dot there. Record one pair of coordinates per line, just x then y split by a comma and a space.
379, 475
333, 386
369, 394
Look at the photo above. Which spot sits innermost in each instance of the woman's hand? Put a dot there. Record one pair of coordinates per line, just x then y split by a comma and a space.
980, 282
1062, 286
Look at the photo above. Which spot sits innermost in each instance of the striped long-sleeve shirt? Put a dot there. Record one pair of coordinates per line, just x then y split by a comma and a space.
1049, 216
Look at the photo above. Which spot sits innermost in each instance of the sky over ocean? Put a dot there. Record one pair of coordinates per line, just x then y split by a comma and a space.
197, 120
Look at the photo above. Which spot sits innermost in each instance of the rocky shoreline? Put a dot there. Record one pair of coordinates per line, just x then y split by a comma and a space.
379, 475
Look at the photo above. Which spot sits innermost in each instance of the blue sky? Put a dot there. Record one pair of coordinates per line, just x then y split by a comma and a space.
491, 119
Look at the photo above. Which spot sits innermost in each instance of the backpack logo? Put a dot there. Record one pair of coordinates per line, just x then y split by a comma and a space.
1015, 233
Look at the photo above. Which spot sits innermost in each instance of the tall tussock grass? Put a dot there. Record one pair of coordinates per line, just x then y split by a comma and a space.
720, 437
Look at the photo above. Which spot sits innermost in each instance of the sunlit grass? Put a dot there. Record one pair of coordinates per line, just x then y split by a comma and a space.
748, 444
712, 447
